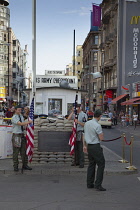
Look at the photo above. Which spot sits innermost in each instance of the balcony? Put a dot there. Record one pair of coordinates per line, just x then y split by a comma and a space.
108, 63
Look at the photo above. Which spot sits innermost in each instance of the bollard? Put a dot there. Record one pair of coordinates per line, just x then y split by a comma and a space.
123, 151
131, 167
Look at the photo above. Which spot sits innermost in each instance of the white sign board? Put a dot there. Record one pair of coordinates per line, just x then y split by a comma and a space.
6, 141
55, 72
54, 81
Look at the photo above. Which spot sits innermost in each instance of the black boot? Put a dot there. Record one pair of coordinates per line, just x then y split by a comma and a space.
27, 167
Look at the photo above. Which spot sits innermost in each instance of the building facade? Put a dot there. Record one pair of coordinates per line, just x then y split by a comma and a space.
109, 49
91, 64
12, 60
119, 41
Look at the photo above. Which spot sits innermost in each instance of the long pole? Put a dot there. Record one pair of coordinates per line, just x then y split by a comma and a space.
34, 51
103, 59
18, 92
74, 53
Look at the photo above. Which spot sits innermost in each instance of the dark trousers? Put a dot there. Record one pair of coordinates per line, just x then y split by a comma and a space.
79, 154
115, 121
96, 157
21, 150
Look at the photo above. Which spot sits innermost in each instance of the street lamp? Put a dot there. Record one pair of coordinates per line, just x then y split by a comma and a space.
95, 75
18, 80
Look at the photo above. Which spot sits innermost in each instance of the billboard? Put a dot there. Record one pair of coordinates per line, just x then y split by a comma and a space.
132, 43
54, 81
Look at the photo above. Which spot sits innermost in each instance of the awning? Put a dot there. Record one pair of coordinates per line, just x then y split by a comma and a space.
115, 100
130, 101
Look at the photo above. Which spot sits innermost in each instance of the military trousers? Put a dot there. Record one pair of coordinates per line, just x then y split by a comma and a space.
78, 149
21, 150
96, 157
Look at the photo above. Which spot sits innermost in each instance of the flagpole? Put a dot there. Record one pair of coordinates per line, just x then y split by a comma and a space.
74, 53
34, 51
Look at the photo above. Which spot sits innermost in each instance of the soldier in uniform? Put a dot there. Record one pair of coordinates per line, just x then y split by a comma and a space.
19, 140
78, 150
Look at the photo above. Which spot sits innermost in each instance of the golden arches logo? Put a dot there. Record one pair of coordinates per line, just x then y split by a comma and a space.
134, 20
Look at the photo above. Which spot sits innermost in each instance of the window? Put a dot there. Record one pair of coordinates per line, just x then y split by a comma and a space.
14, 53
96, 40
78, 63
54, 107
95, 56
14, 42
14, 75
78, 53
14, 64
5, 37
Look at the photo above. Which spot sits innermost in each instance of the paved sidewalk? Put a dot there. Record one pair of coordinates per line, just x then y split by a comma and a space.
112, 166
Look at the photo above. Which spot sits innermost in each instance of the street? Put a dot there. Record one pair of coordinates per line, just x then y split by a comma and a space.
69, 191
116, 146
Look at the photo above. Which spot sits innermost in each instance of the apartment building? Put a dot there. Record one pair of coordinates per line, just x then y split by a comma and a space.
12, 59
109, 42
91, 64
119, 41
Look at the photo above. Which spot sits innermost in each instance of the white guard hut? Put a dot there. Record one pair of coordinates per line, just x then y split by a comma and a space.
51, 99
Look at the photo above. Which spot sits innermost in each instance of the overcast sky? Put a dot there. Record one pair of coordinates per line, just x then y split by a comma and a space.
56, 21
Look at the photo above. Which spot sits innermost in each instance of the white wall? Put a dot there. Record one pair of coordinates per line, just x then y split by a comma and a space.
67, 96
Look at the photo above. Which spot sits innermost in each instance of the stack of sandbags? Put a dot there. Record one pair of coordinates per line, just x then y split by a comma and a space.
68, 124
54, 124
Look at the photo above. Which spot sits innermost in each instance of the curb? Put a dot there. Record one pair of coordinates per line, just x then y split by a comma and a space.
66, 171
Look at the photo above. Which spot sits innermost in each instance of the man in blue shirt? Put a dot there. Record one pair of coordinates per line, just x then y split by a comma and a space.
93, 134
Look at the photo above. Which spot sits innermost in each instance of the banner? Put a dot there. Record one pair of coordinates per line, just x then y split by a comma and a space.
96, 15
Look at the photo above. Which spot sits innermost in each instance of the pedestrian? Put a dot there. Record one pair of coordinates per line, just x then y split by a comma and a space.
93, 134
123, 120
120, 116
19, 140
115, 117
78, 149
135, 119
127, 119
110, 115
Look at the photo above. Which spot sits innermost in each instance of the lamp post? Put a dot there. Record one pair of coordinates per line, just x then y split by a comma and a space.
95, 75
18, 80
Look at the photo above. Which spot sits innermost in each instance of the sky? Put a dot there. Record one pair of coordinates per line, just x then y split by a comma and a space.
55, 23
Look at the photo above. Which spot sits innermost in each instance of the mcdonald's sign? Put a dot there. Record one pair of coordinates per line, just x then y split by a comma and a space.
135, 20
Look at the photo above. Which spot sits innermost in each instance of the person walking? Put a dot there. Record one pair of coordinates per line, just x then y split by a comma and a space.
115, 117
78, 149
123, 120
19, 140
135, 119
93, 134
110, 114
127, 119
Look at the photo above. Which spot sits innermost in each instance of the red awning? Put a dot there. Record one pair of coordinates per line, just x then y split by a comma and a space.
114, 101
130, 101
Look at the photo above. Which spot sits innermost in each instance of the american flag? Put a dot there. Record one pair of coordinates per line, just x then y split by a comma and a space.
72, 139
30, 133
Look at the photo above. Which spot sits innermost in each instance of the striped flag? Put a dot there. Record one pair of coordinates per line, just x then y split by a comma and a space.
30, 133
72, 139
